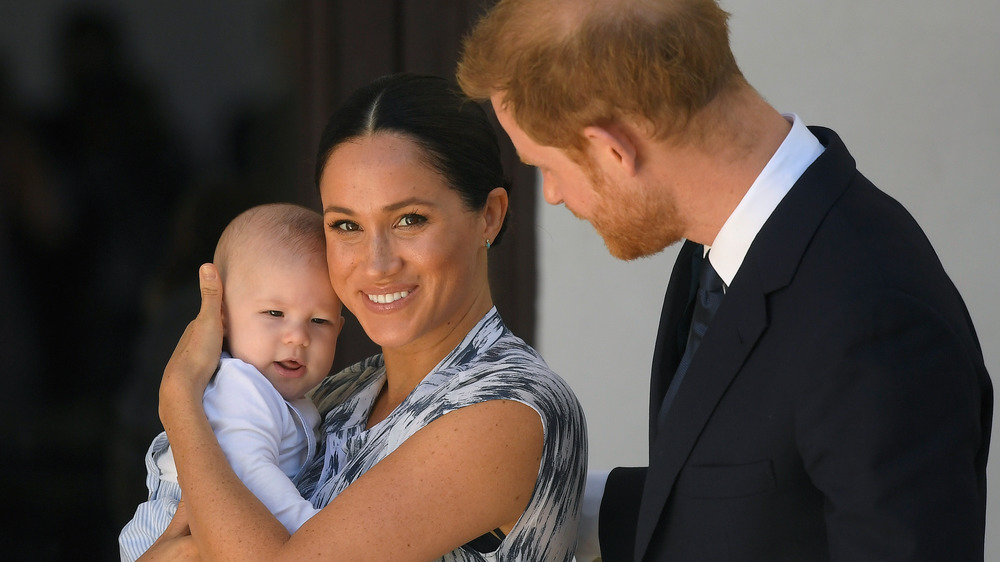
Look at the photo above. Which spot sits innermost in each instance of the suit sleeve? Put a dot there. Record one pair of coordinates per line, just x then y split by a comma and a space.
891, 430
620, 512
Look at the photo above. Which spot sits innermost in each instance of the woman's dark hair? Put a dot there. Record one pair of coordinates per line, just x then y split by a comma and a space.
454, 132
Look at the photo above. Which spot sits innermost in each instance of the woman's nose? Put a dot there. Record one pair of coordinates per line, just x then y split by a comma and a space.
382, 257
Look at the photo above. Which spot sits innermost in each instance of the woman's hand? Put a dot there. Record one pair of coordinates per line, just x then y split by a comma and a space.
175, 543
197, 353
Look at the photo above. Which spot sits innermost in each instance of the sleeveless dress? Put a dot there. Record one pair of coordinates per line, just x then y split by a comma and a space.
490, 364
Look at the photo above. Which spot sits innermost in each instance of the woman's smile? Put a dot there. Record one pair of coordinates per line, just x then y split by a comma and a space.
387, 298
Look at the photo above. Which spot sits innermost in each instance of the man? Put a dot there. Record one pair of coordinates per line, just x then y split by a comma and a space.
818, 391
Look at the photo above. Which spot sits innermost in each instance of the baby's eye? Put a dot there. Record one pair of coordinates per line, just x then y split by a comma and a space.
412, 219
320, 321
274, 313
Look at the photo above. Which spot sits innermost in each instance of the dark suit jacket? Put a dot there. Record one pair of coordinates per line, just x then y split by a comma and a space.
837, 409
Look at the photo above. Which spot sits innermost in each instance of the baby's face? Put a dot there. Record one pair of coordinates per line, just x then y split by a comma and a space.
283, 318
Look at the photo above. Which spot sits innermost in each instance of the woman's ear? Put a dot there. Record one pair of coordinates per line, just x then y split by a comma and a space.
495, 212
613, 147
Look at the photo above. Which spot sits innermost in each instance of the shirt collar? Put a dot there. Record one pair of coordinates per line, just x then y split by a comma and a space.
796, 153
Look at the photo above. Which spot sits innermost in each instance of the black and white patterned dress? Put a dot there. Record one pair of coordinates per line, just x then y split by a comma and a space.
490, 364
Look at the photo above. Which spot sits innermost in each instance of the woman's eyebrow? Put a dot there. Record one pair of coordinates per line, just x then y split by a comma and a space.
391, 207
409, 203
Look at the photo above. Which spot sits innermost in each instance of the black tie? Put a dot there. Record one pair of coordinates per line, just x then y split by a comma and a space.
707, 300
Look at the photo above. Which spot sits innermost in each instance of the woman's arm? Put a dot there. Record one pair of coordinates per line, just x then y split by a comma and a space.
467, 472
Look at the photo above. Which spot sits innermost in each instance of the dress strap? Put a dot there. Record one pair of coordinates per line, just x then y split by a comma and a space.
488, 542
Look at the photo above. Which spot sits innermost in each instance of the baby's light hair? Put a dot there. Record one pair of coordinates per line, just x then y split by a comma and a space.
270, 232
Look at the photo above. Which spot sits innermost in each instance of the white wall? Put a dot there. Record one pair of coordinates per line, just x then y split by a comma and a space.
912, 89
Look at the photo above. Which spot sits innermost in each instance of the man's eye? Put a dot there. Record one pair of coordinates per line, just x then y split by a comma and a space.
275, 313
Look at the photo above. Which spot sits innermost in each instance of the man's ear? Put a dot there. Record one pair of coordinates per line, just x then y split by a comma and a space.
615, 146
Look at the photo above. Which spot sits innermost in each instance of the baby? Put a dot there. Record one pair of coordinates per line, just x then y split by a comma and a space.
282, 320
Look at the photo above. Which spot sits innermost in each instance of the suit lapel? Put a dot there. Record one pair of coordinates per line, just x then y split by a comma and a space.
738, 324
674, 319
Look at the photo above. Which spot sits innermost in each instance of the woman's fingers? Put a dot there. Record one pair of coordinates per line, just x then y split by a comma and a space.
175, 543
199, 346
203, 338
211, 293
197, 353
178, 526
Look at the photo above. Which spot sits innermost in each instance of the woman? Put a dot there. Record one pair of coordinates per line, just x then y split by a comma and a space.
457, 442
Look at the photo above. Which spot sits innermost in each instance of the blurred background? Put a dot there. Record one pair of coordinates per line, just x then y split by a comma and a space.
132, 131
